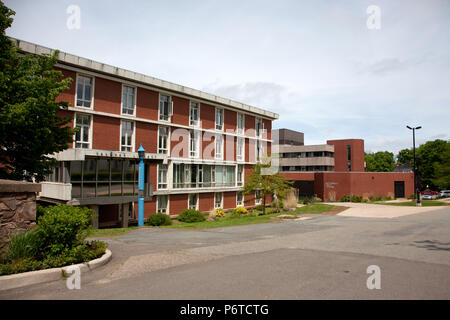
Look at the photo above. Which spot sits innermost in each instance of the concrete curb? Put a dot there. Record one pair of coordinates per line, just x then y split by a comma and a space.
14, 281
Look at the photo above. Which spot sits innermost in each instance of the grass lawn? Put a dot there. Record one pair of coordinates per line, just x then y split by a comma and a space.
316, 208
110, 232
425, 203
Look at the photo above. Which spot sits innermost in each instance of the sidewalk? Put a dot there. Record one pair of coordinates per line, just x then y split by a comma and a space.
368, 210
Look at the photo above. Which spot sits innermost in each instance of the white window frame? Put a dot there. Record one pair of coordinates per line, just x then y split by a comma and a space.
159, 182
258, 156
167, 142
170, 108
218, 155
240, 131
91, 119
239, 182
134, 100
221, 200
196, 202
196, 152
239, 203
91, 106
197, 123
258, 201
240, 157
223, 119
133, 136
167, 204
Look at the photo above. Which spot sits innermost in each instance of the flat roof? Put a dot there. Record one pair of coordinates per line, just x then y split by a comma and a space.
74, 60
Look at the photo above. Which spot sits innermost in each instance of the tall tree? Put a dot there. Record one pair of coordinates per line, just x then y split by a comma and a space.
405, 156
382, 161
266, 184
442, 170
30, 128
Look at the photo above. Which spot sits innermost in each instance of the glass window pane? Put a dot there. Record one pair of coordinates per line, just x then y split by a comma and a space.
89, 170
75, 171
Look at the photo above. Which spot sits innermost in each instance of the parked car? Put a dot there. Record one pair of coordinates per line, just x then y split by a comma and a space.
428, 196
444, 193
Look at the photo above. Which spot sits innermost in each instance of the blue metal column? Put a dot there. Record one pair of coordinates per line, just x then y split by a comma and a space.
141, 153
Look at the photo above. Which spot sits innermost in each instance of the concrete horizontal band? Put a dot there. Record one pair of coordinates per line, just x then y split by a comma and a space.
41, 276
18, 186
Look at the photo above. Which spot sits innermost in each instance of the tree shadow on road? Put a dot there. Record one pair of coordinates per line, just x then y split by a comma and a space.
432, 245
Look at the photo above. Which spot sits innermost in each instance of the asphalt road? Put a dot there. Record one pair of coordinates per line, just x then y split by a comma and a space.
325, 257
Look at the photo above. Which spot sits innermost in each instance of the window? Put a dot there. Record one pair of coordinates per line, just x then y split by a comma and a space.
194, 114
178, 175
163, 139
162, 204
127, 136
128, 100
259, 127
240, 175
349, 158
258, 197
239, 199
218, 147
219, 119
193, 201
259, 150
194, 143
218, 200
82, 136
165, 108
240, 123
84, 91
240, 149
162, 176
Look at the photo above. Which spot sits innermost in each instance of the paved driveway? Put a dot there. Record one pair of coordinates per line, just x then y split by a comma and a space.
322, 258
368, 210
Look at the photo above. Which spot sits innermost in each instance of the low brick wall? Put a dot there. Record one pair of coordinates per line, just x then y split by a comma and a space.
17, 208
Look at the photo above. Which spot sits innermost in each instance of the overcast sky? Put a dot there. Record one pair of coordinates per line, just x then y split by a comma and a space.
315, 63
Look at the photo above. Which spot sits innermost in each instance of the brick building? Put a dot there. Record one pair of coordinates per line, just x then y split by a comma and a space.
199, 147
335, 169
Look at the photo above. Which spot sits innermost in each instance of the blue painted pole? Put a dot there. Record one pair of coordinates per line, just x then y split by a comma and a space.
141, 153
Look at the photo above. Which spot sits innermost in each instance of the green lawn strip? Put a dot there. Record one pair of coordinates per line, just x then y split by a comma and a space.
314, 208
425, 203
110, 232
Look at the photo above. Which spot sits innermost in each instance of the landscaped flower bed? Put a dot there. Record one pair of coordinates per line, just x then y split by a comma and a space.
58, 240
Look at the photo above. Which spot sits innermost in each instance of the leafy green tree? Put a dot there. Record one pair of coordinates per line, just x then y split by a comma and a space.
382, 161
30, 128
405, 156
442, 170
266, 184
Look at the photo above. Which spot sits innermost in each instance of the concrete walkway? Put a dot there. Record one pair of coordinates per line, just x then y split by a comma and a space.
368, 210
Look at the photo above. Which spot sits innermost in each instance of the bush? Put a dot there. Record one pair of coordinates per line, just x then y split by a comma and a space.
240, 210
219, 213
190, 216
374, 199
24, 245
159, 219
62, 227
356, 198
388, 198
411, 197
305, 200
346, 198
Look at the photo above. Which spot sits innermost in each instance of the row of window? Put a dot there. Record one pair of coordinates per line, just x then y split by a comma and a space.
314, 154
83, 139
200, 176
84, 98
307, 168
162, 202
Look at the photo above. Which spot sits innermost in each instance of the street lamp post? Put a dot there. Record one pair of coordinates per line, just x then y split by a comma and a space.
416, 189
141, 153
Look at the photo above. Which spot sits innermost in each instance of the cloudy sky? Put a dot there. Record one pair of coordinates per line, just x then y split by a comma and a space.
315, 63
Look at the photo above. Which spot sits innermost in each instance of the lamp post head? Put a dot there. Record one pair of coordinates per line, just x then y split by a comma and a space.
141, 152
409, 127
418, 128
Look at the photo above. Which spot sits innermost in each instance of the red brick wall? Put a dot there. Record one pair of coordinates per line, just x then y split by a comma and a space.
107, 96
69, 94
179, 143
230, 120
229, 200
206, 202
207, 116
108, 213
149, 208
147, 104
147, 133
106, 133
377, 184
268, 129
340, 154
178, 203
180, 111
249, 125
